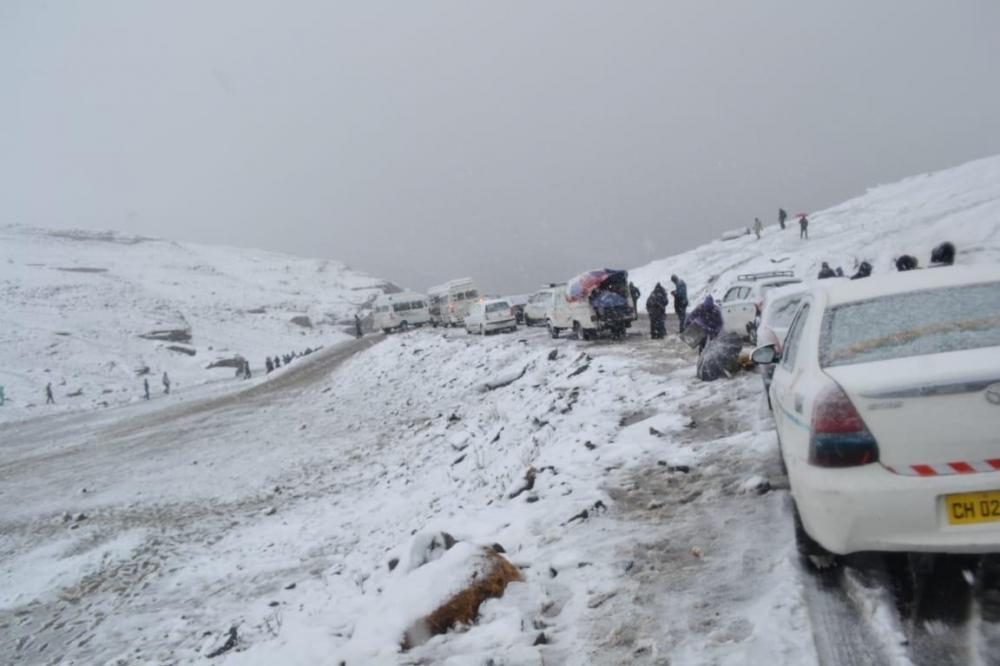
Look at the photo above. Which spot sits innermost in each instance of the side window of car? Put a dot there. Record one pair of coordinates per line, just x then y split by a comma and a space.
794, 337
731, 295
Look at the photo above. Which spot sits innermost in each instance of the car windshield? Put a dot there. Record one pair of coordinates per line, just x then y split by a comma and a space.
781, 313
913, 324
497, 307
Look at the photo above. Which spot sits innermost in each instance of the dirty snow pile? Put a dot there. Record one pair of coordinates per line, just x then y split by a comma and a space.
960, 205
73, 305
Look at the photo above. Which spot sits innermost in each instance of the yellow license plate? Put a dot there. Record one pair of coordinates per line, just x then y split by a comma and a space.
967, 508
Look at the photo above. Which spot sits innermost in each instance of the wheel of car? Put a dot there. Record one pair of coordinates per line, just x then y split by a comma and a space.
553, 331
405, 326
814, 556
576, 330
387, 331
527, 321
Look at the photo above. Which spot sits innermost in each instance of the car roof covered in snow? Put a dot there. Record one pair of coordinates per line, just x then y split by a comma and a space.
887, 284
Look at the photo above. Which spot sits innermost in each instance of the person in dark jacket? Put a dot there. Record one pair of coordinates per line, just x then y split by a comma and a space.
269, 365
826, 272
656, 306
864, 270
680, 293
166, 384
635, 294
277, 362
708, 316
906, 263
782, 216
357, 326
803, 227
943, 255
145, 387
49, 400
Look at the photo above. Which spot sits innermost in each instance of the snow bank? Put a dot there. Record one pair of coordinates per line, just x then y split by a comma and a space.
961, 205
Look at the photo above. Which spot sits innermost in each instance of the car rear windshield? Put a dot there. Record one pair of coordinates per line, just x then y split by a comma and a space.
913, 324
497, 307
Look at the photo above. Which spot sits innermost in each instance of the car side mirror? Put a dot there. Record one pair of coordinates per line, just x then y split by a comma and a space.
765, 355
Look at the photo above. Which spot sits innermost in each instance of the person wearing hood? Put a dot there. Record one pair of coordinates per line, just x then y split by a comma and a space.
864, 270
943, 255
758, 227
656, 306
708, 316
826, 272
907, 263
680, 293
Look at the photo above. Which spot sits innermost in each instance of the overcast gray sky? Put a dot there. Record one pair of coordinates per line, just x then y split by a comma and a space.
517, 142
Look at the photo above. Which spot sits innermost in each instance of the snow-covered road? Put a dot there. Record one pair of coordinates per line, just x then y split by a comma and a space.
655, 529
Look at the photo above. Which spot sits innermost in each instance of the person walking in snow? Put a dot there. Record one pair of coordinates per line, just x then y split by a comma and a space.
3, 398
49, 400
166, 384
803, 227
277, 362
268, 365
708, 316
680, 292
656, 307
864, 270
246, 369
826, 272
782, 216
145, 387
357, 326
758, 227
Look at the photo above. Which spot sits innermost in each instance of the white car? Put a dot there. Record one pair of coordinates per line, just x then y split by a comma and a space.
741, 302
887, 404
780, 306
488, 316
538, 303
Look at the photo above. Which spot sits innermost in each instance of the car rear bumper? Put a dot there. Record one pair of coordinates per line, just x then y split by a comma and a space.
870, 508
498, 324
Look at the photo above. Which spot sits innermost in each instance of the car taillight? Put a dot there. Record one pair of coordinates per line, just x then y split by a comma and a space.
839, 437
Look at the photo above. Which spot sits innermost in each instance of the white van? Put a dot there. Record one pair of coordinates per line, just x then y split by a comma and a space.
538, 303
590, 304
449, 302
398, 312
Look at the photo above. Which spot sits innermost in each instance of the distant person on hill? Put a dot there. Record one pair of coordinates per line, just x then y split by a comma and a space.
758, 227
145, 387
269, 365
825, 272
357, 327
864, 270
680, 293
803, 226
49, 400
782, 216
277, 362
656, 307
943, 255
166, 384
839, 271
906, 263
3, 398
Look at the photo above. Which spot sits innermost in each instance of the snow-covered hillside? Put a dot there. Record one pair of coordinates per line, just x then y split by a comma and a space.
961, 205
74, 304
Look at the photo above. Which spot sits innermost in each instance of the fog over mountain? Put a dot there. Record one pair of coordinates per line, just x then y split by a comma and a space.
514, 142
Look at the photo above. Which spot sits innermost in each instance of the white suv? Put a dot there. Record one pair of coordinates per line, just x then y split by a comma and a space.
742, 300
538, 303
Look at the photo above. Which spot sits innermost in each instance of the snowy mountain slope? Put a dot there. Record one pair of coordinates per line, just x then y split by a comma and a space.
73, 305
961, 205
